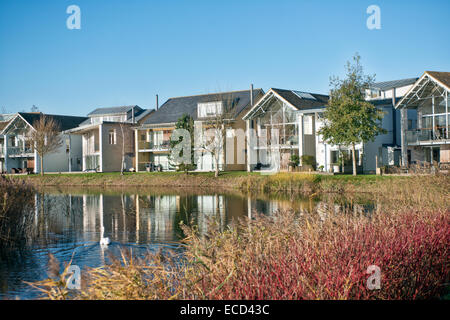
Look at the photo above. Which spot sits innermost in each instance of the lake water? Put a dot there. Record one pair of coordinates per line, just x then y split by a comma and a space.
68, 222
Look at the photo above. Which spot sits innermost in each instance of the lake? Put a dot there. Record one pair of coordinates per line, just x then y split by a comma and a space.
68, 223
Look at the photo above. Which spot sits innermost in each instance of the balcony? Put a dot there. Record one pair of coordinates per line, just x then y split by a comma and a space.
20, 152
150, 146
427, 136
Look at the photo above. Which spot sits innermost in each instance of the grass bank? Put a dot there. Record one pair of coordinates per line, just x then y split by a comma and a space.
282, 182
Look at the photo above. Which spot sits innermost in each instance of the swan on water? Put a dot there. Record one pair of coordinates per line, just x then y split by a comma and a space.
104, 241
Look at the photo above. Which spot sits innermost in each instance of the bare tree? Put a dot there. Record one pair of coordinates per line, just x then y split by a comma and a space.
211, 134
45, 138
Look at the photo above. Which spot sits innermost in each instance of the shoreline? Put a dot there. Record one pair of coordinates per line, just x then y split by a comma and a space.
301, 183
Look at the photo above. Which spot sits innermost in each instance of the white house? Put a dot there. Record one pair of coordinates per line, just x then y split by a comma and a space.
428, 140
106, 135
17, 154
297, 117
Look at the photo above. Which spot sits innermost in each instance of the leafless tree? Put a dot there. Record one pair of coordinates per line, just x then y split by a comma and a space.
45, 138
210, 137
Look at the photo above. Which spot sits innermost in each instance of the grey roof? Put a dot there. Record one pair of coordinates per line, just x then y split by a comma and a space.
443, 77
114, 110
65, 122
386, 85
143, 114
174, 108
139, 113
301, 99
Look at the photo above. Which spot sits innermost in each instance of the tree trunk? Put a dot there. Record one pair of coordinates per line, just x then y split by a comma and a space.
42, 165
354, 159
216, 160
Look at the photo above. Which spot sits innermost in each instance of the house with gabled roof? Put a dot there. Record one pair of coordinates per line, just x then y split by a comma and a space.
429, 140
107, 136
154, 134
286, 122
278, 129
17, 154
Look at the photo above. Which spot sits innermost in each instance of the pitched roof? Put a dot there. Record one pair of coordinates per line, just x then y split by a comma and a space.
386, 85
174, 108
5, 119
443, 77
114, 110
301, 99
66, 122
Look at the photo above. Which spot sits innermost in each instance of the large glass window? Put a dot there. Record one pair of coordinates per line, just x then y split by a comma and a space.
209, 109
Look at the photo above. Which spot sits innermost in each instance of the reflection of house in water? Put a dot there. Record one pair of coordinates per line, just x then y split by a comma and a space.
325, 208
155, 215
110, 211
57, 213
210, 207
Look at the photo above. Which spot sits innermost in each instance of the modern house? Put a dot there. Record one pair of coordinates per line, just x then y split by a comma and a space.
429, 140
153, 135
17, 154
278, 127
4, 120
107, 135
298, 115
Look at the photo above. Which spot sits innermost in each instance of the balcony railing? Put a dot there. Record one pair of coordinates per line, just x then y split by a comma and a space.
164, 145
19, 151
426, 135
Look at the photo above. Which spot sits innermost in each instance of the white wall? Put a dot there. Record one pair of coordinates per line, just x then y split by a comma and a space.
55, 162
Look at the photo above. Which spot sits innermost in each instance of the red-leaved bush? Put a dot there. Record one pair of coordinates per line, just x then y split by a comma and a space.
287, 257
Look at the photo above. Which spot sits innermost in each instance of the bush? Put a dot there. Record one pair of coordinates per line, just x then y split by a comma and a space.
294, 160
308, 160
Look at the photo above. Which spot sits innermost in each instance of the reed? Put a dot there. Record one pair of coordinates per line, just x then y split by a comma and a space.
16, 204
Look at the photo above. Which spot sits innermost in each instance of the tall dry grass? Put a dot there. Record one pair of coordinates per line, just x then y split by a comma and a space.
16, 204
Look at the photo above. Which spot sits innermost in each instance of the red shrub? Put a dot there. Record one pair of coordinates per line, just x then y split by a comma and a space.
282, 259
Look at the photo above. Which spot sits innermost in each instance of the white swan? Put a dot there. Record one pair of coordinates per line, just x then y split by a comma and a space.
104, 241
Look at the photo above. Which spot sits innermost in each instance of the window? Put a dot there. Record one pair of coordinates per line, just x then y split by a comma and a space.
112, 136
308, 123
67, 145
209, 109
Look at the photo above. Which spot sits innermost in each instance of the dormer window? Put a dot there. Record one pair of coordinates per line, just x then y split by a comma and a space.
209, 109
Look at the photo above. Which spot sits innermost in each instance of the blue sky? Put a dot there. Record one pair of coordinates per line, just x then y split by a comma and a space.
128, 51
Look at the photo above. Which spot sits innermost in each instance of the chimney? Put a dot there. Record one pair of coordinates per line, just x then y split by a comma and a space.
251, 95
157, 102
132, 114
393, 97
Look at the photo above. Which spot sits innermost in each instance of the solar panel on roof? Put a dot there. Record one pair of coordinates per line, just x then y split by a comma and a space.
304, 95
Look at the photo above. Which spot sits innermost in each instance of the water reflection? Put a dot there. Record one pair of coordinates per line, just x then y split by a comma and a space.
68, 223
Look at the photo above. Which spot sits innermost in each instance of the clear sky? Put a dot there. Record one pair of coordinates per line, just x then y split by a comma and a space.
128, 51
